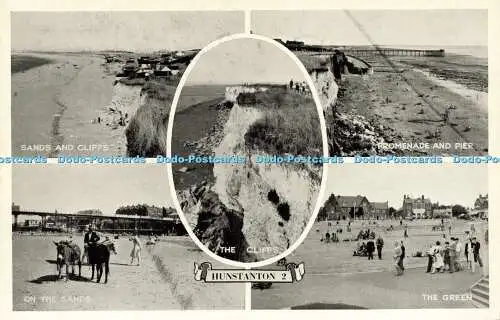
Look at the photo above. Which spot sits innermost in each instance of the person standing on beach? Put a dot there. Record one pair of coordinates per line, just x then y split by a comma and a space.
446, 116
136, 250
89, 241
473, 229
406, 231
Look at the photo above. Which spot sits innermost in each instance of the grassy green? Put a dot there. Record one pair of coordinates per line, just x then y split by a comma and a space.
290, 124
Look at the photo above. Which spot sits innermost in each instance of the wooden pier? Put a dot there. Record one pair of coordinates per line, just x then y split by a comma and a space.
395, 52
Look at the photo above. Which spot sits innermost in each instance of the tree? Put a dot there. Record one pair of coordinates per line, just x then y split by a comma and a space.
322, 214
457, 210
392, 212
328, 206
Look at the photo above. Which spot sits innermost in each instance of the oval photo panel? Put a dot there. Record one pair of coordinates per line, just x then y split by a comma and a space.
247, 137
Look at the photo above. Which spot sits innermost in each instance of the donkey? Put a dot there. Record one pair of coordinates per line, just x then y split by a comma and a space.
99, 255
68, 254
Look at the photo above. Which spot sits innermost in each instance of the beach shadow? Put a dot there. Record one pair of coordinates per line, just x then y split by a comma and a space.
54, 278
120, 264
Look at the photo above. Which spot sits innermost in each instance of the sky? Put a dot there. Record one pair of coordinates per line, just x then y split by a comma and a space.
72, 188
244, 61
446, 183
385, 27
132, 31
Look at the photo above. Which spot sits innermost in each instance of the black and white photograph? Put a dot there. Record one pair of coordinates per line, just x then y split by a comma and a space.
101, 83
403, 82
105, 237
393, 237
247, 99
243, 158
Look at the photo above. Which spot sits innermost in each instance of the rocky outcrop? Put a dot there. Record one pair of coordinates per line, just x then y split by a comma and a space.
269, 204
125, 102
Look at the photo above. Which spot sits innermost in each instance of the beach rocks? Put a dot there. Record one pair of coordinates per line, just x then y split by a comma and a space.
124, 103
354, 135
216, 226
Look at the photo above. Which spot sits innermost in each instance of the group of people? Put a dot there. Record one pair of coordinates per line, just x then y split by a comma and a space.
300, 87
365, 234
447, 256
399, 256
368, 248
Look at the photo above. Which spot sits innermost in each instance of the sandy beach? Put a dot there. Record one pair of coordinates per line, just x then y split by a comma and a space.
54, 104
163, 281
405, 99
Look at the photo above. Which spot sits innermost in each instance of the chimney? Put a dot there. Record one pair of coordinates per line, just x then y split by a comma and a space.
422, 197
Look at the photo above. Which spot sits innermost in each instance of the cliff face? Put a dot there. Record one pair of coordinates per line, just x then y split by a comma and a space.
147, 132
126, 100
274, 202
327, 90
